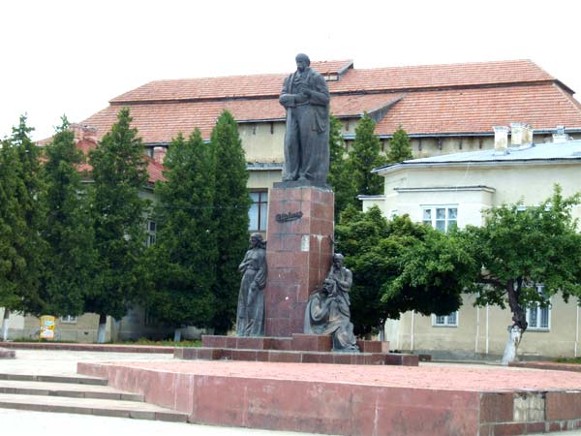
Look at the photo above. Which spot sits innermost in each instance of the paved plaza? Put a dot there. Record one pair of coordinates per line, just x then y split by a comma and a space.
64, 363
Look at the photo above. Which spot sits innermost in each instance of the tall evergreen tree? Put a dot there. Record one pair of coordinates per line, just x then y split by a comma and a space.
21, 215
339, 177
185, 254
68, 228
119, 174
364, 156
231, 204
400, 147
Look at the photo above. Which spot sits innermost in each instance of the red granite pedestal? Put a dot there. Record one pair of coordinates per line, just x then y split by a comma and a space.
299, 253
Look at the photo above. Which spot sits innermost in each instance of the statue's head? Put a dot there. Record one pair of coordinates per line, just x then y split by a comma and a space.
338, 258
302, 61
255, 239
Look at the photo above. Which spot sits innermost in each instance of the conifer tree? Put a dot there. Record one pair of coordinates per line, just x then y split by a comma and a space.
22, 248
400, 148
68, 228
119, 174
231, 205
339, 177
184, 256
364, 157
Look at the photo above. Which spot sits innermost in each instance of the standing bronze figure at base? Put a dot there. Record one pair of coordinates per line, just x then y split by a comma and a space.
250, 314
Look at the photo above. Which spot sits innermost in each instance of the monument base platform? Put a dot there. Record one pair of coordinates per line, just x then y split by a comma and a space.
299, 348
355, 400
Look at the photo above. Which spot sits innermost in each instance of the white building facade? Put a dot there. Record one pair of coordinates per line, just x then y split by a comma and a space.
455, 190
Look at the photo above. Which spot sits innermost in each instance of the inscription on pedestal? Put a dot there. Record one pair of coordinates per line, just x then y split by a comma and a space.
299, 253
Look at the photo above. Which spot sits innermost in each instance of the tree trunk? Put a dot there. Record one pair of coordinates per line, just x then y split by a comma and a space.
511, 348
519, 319
519, 316
102, 330
177, 335
5, 324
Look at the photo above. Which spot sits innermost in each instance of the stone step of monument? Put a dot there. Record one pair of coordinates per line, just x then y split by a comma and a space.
35, 393
296, 342
208, 353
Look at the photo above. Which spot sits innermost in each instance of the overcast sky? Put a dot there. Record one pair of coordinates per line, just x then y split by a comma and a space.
70, 57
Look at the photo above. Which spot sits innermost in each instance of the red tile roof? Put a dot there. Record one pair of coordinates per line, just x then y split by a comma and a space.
432, 99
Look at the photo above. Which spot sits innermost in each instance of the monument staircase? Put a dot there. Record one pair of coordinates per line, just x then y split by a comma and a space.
79, 395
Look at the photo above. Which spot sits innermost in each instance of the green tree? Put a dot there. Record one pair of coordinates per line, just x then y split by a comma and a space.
185, 254
339, 177
522, 249
68, 229
400, 147
119, 174
399, 266
231, 205
21, 217
364, 157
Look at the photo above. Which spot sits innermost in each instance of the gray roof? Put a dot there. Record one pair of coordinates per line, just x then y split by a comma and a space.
562, 151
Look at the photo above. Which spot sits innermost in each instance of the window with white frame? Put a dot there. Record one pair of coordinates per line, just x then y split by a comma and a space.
257, 212
539, 316
450, 320
151, 233
442, 218
68, 319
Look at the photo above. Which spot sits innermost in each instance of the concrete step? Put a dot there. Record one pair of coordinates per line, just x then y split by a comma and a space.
90, 406
53, 389
81, 395
81, 380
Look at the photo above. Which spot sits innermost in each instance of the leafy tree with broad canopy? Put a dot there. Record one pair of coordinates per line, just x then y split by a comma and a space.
522, 249
119, 174
231, 205
184, 257
398, 266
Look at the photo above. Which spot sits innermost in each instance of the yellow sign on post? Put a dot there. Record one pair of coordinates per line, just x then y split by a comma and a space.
47, 327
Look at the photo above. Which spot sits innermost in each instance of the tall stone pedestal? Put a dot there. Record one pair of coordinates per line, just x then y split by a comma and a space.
299, 253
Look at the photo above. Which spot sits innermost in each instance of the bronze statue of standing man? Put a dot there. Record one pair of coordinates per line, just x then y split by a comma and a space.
305, 96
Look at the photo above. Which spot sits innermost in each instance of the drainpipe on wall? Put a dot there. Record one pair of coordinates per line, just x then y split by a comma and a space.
477, 330
576, 333
487, 331
412, 332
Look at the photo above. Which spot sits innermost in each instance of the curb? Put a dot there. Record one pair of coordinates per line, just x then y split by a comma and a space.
106, 348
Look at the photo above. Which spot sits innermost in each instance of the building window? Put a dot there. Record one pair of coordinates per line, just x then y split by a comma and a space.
539, 316
151, 233
258, 210
450, 320
68, 319
442, 218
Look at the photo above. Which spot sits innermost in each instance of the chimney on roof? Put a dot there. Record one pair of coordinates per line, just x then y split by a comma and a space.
527, 134
516, 134
500, 138
84, 133
560, 135
159, 154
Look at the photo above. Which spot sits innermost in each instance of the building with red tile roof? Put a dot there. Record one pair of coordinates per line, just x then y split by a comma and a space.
428, 101
443, 108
